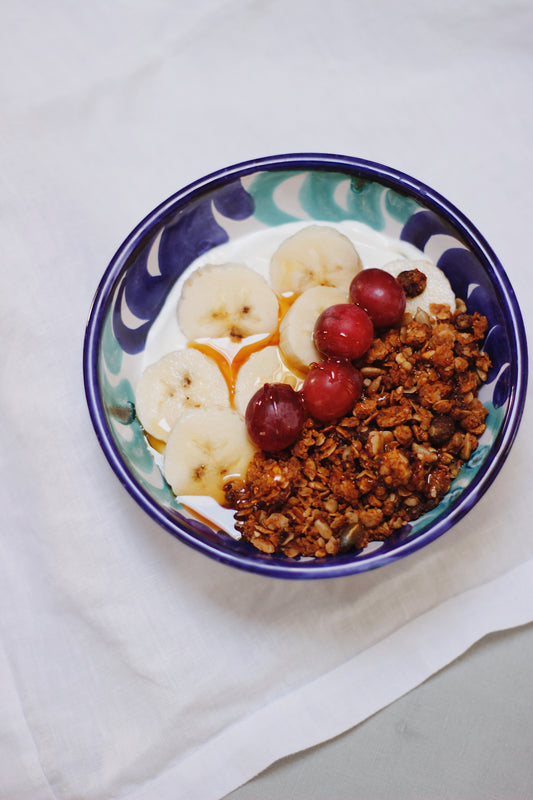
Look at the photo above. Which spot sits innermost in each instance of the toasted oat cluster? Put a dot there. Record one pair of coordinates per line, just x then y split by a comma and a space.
343, 485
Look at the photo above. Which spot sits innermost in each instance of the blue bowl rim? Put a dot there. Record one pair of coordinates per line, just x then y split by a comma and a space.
290, 161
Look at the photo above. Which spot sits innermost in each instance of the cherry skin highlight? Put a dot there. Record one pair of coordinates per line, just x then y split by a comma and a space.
343, 331
331, 389
380, 294
274, 417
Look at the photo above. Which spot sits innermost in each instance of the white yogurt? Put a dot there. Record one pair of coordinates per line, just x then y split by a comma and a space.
255, 250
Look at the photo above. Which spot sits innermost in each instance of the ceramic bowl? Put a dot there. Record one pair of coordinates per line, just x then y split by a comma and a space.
250, 197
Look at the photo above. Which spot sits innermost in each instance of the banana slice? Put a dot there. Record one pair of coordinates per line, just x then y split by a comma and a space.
438, 289
179, 381
227, 300
205, 448
296, 329
317, 255
265, 366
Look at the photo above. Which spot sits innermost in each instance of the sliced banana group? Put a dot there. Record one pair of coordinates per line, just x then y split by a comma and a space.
438, 289
296, 329
227, 300
183, 399
179, 381
265, 366
317, 255
205, 448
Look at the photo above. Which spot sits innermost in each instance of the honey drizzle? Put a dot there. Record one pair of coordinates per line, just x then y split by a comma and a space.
229, 357
285, 302
209, 523
230, 362
157, 444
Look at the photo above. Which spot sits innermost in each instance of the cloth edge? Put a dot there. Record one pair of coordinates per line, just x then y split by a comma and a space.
248, 747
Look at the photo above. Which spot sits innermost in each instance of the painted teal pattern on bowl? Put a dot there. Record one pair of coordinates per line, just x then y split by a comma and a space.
327, 197
119, 403
271, 192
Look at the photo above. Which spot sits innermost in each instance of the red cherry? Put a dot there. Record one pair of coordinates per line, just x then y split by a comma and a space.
343, 331
380, 294
330, 389
274, 416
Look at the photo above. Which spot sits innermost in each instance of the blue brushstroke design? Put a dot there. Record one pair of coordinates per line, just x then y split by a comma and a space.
185, 237
234, 202
419, 229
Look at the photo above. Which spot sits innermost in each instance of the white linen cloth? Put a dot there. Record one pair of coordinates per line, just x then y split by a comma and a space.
131, 666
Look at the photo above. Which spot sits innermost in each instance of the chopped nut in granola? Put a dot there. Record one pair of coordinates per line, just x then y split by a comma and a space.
343, 485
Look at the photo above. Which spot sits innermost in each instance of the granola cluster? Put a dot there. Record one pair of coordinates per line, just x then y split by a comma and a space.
343, 485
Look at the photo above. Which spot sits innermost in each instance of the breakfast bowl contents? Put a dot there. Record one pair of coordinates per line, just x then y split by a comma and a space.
305, 366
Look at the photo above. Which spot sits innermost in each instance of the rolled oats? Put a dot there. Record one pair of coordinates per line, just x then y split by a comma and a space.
343, 485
